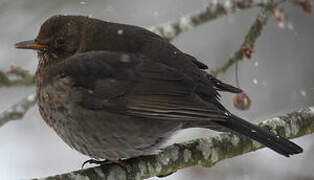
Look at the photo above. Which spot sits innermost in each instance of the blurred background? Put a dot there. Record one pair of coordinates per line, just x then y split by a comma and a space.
278, 78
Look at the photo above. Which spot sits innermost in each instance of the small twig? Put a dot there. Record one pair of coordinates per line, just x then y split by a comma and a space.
236, 71
18, 110
249, 40
204, 152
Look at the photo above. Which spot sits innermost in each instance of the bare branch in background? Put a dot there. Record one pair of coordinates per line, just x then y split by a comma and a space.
247, 48
18, 110
23, 77
204, 152
213, 10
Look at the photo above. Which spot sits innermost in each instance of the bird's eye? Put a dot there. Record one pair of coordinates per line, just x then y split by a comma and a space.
60, 42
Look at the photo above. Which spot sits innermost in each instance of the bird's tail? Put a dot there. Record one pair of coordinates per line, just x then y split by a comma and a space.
279, 144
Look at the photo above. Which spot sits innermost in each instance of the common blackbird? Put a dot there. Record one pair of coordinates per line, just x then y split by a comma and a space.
114, 91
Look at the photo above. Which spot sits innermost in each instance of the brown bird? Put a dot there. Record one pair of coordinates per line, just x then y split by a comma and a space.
114, 91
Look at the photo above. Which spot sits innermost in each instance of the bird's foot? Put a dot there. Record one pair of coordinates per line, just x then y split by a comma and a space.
119, 162
94, 161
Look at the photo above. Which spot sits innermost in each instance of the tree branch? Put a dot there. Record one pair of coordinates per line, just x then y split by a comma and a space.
18, 110
25, 78
213, 10
249, 40
204, 152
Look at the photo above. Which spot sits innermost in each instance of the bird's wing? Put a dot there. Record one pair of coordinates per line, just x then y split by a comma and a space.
134, 85
171, 56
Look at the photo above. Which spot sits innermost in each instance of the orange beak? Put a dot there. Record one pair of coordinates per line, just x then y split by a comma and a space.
30, 45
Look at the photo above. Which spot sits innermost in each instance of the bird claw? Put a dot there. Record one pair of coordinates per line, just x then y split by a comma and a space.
125, 165
93, 161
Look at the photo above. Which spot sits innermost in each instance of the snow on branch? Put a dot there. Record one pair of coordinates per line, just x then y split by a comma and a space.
18, 110
214, 9
204, 152
23, 77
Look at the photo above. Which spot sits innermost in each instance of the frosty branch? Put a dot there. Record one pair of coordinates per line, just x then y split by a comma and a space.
204, 152
18, 110
249, 41
23, 77
213, 10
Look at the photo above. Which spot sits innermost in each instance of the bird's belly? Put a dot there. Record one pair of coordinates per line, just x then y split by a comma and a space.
103, 135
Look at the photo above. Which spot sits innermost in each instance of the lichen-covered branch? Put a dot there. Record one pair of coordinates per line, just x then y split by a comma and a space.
204, 152
249, 40
213, 10
24, 78
18, 110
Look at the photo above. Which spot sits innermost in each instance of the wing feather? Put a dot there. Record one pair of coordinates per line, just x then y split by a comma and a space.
133, 85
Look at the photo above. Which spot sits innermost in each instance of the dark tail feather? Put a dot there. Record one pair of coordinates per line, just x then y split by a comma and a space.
279, 144
220, 86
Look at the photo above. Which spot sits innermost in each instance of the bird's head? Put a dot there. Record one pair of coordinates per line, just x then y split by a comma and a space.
59, 37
